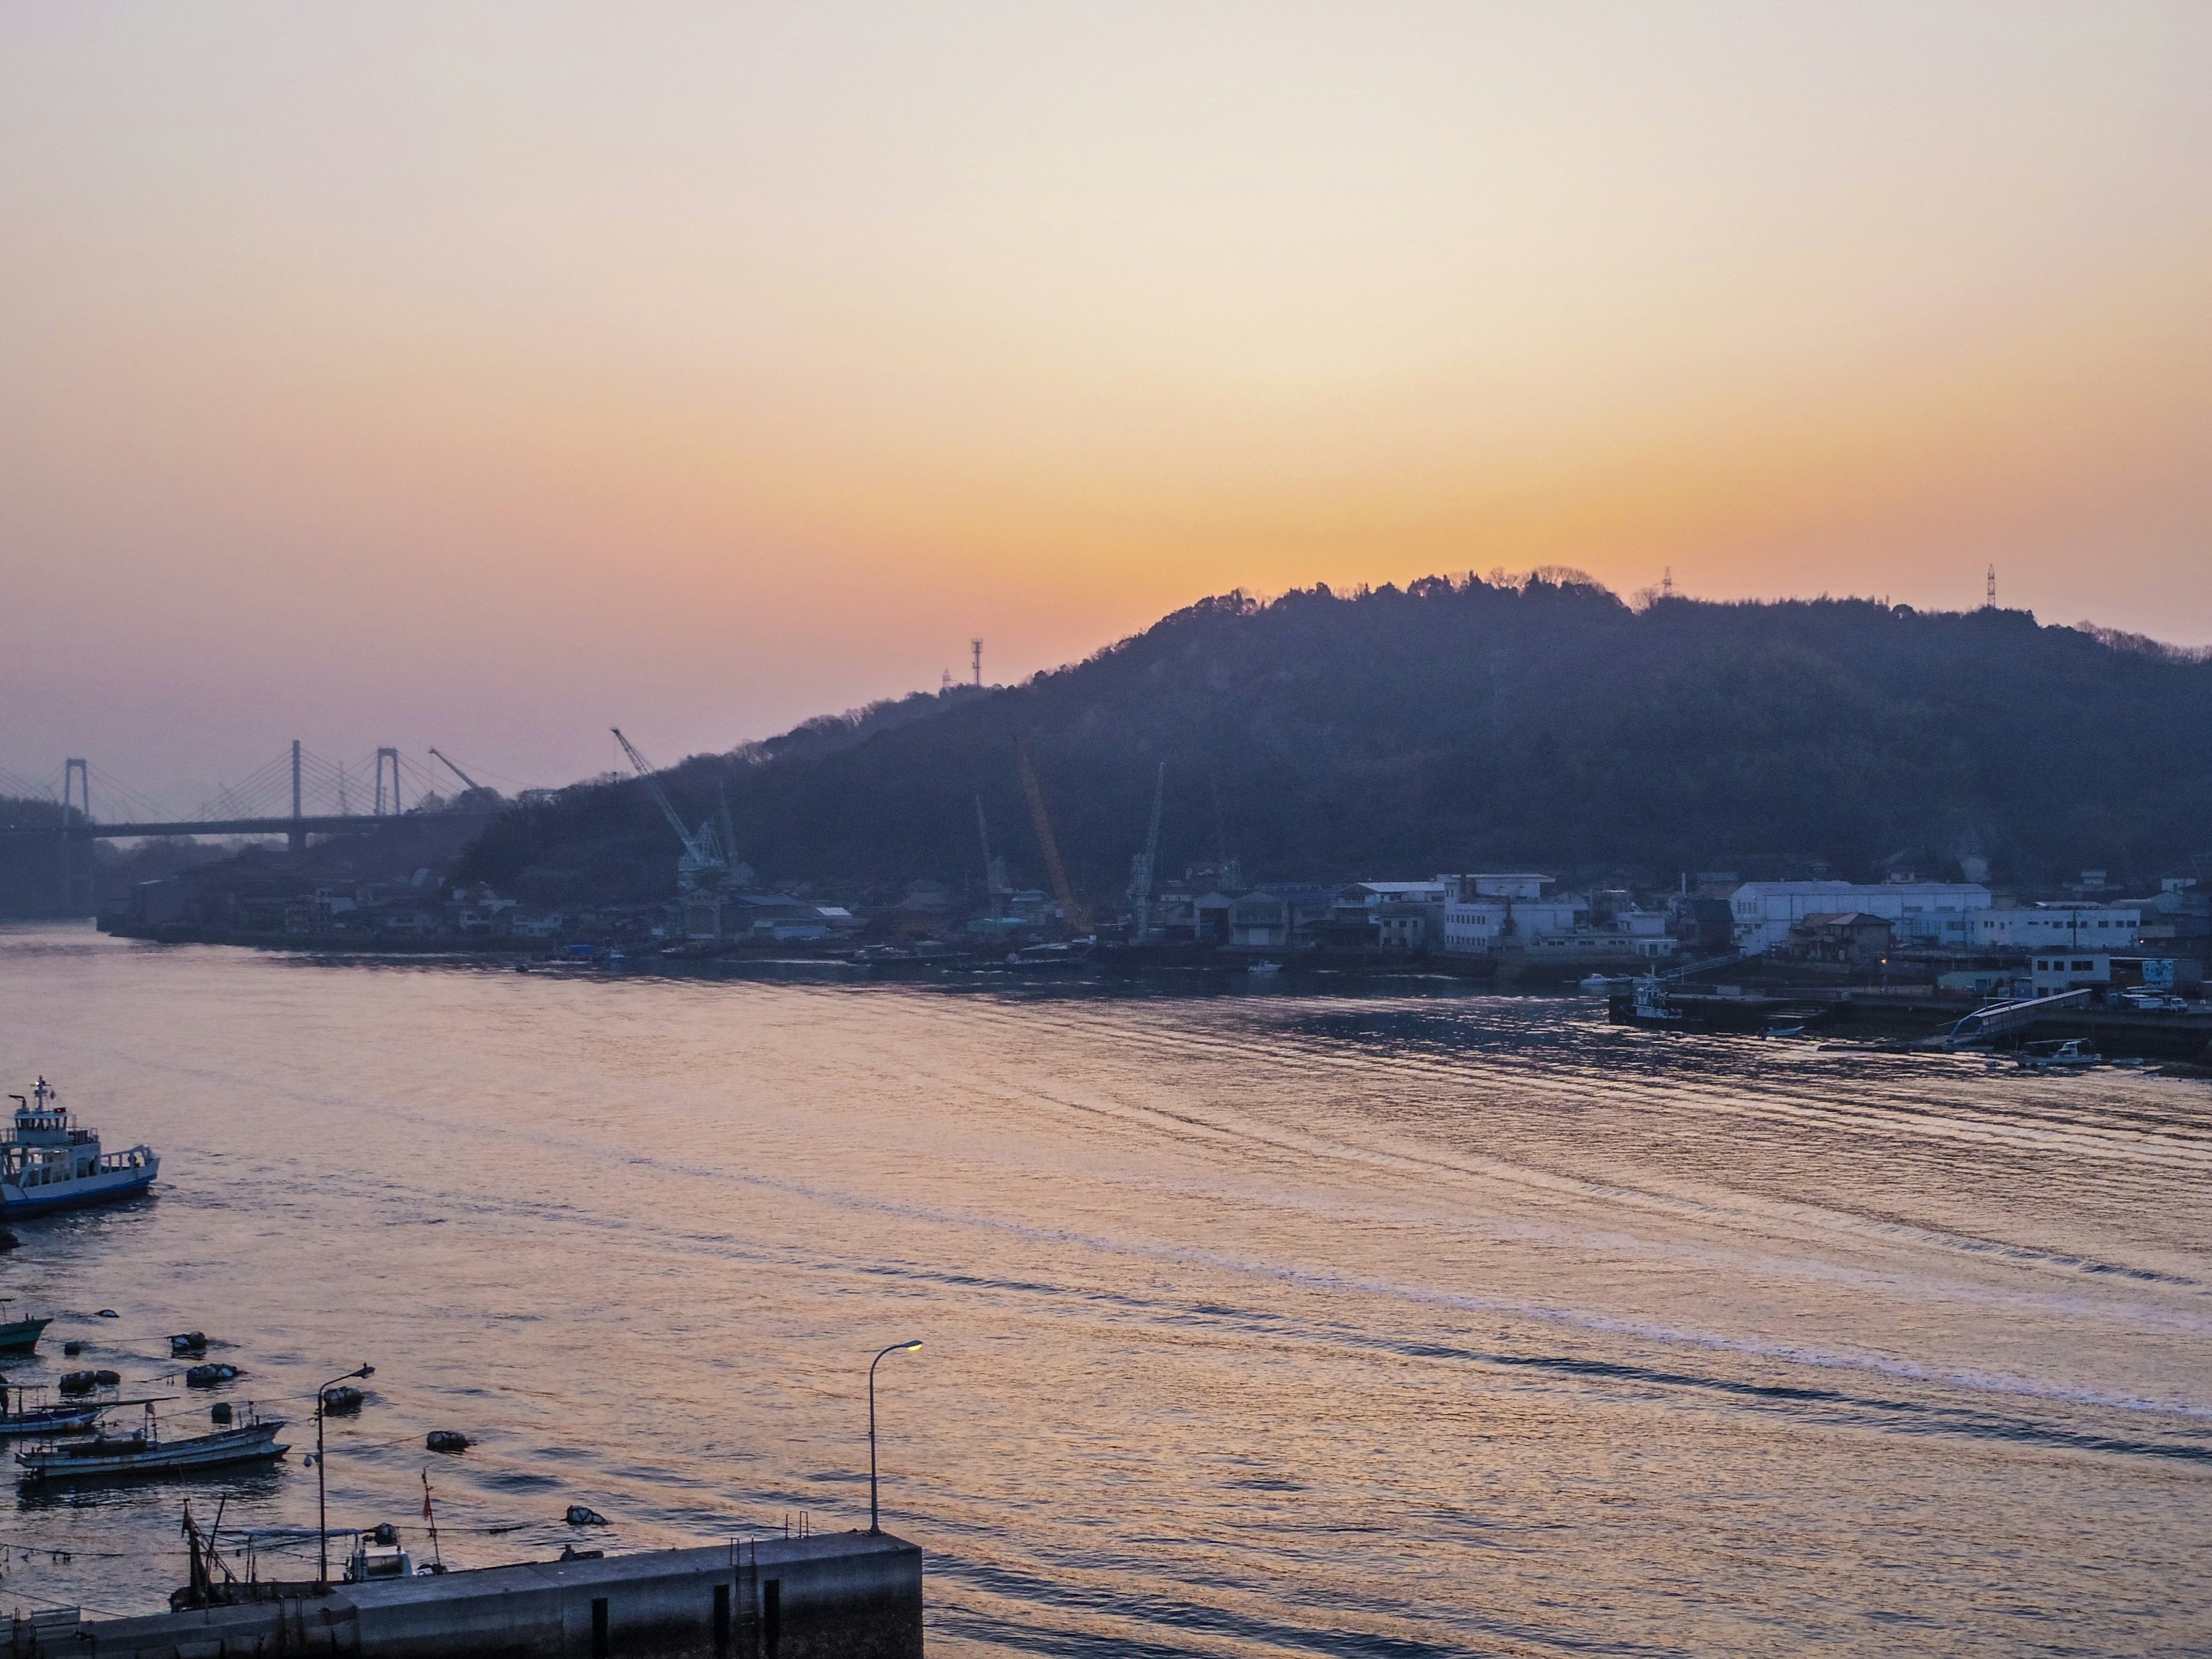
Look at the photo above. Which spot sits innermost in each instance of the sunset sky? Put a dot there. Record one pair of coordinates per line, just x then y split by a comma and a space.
484, 375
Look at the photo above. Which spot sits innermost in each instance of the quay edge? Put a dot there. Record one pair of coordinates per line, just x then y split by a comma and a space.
846, 1595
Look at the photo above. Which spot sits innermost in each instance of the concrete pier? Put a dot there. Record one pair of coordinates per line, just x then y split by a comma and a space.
848, 1595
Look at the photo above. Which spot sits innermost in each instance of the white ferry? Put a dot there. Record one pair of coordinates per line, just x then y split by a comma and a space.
47, 1163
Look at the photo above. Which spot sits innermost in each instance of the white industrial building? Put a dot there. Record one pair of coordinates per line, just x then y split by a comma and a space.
2060, 926
1925, 913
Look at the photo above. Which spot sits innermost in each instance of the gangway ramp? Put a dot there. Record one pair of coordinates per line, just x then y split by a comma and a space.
1995, 1019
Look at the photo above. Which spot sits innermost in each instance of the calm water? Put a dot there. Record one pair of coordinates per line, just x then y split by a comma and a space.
1265, 1324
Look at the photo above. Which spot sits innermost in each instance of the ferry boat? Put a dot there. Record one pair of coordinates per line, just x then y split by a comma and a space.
47, 1163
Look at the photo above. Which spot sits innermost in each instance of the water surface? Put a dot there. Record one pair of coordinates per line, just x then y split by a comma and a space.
1267, 1324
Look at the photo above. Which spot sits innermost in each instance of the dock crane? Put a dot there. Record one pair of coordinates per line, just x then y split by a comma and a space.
704, 862
1078, 923
1141, 867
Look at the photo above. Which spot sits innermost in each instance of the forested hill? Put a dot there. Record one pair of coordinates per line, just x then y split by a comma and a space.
1462, 724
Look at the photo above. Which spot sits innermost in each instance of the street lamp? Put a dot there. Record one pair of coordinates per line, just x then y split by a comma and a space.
322, 1489
896, 1347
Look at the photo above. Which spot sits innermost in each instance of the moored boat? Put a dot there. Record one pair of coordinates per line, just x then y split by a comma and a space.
2072, 1054
25, 1421
48, 1163
143, 1453
20, 1335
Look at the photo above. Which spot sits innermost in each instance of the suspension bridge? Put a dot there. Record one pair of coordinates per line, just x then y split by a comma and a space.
296, 795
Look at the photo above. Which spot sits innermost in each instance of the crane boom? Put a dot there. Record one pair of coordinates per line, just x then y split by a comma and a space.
1077, 922
659, 796
1140, 875
465, 779
990, 871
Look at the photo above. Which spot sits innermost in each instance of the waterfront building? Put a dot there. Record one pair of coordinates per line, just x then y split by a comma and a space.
2071, 925
1486, 915
2069, 970
1927, 914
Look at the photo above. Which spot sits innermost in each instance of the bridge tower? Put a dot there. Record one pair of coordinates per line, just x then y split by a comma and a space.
387, 759
296, 839
76, 882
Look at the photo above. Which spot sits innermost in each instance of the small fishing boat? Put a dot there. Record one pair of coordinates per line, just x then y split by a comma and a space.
20, 1335
1652, 1006
48, 1163
2071, 1055
1262, 970
26, 1421
142, 1452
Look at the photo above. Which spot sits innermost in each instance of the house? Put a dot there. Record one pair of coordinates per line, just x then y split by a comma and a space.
1398, 916
1279, 916
1845, 936
1926, 914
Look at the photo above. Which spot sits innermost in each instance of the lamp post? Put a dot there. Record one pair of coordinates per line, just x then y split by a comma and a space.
322, 1488
897, 1347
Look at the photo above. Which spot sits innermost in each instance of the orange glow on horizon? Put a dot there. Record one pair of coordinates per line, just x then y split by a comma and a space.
746, 366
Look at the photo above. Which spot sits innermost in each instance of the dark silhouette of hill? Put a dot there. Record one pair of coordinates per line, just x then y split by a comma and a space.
1460, 725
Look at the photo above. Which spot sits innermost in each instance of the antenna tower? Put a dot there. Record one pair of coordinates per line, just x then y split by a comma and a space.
976, 649
1667, 582
1989, 590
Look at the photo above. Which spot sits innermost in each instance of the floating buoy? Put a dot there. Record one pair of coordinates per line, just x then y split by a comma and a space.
580, 1517
107, 1379
447, 1440
188, 1342
77, 1383
72, 1349
207, 1376
342, 1401
107, 1313
219, 1412
385, 1533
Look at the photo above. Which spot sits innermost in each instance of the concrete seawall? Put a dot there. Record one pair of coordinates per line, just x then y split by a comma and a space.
848, 1596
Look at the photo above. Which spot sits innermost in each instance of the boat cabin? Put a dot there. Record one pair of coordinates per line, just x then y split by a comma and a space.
379, 1555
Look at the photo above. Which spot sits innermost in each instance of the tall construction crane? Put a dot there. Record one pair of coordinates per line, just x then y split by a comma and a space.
704, 863
1141, 867
1078, 923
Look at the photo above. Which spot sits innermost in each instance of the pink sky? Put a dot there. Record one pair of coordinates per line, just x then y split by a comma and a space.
487, 375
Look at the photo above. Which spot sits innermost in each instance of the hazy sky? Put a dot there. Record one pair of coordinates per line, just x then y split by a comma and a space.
484, 375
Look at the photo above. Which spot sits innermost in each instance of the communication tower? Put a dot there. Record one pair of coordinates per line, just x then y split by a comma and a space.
976, 649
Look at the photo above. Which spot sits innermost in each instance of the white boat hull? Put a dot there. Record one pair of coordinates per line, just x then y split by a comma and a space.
254, 1444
